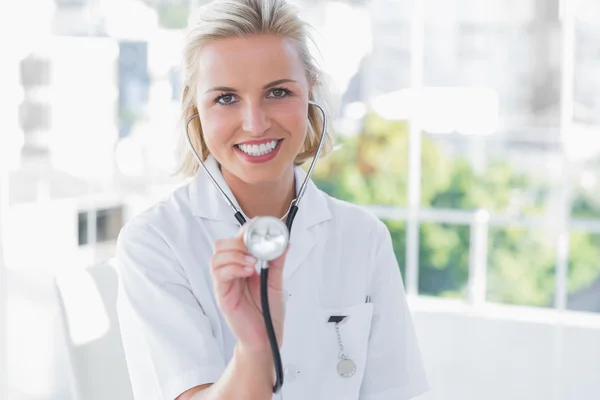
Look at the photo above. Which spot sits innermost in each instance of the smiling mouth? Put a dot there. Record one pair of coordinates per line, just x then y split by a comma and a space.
259, 149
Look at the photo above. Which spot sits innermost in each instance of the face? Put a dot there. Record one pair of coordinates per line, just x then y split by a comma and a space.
252, 100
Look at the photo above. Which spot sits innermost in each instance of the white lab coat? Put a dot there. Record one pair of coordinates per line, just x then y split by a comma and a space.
175, 337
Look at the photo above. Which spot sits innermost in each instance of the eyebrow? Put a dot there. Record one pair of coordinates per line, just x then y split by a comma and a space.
267, 86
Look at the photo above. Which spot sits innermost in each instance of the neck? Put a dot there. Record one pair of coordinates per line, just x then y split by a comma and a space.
269, 198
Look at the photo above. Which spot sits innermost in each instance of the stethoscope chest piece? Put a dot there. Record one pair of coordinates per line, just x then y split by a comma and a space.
266, 238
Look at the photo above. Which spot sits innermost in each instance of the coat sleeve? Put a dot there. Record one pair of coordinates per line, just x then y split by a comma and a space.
168, 341
394, 369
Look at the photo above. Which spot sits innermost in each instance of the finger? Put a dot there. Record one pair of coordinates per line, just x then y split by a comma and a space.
226, 244
232, 257
231, 272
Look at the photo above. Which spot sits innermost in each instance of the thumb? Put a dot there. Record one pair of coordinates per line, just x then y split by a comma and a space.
240, 232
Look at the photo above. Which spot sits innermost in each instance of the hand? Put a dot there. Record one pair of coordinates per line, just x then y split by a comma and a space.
237, 290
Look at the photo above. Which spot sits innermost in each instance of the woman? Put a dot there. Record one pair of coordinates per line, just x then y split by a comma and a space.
189, 301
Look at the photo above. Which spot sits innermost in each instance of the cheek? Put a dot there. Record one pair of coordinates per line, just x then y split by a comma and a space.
217, 128
301, 124
295, 121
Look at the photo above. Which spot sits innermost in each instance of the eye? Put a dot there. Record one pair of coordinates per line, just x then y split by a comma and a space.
279, 92
225, 99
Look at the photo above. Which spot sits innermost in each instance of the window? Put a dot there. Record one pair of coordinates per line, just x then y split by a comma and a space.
109, 222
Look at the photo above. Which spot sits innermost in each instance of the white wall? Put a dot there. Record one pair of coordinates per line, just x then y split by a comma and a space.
507, 352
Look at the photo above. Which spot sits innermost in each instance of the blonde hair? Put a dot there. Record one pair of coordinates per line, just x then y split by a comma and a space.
241, 18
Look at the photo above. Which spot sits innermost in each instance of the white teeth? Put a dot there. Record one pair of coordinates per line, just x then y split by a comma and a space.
258, 150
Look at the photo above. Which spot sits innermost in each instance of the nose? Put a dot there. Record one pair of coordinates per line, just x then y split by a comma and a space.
256, 119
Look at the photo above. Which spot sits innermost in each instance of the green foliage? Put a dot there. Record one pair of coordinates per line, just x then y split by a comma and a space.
584, 267
521, 266
372, 168
173, 16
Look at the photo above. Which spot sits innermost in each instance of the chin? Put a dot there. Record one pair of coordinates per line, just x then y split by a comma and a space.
255, 174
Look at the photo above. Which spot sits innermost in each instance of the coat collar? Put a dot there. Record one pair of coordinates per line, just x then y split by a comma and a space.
207, 202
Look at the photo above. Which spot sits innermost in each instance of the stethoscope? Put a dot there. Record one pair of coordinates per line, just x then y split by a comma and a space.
267, 238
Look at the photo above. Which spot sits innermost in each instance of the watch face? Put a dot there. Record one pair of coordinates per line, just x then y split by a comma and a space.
346, 368
266, 238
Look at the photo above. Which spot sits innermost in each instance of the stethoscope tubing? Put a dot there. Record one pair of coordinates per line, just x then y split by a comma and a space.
291, 215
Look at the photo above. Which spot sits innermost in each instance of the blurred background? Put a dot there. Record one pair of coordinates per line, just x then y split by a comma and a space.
471, 127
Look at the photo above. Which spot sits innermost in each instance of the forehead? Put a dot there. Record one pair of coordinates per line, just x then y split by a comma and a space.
250, 60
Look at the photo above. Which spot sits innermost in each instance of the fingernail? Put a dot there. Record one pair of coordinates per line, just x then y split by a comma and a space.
248, 269
251, 259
